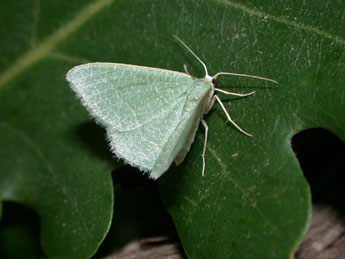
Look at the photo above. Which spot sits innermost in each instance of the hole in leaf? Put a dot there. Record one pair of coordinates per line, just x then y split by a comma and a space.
19, 232
321, 156
138, 211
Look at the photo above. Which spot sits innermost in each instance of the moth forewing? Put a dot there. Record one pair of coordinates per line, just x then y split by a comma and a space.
201, 109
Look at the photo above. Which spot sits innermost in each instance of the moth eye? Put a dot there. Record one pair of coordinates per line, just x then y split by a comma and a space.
214, 82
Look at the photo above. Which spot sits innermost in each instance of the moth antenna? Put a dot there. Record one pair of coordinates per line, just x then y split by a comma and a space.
244, 75
191, 51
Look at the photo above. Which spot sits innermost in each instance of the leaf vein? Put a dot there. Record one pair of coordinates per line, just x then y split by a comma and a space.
299, 26
224, 171
42, 50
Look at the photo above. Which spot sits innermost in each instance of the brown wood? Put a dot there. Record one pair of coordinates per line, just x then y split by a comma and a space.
326, 235
153, 248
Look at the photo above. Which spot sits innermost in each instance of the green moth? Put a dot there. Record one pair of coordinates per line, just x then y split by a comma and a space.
151, 115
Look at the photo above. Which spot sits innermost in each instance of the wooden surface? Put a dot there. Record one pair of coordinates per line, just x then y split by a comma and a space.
153, 248
326, 235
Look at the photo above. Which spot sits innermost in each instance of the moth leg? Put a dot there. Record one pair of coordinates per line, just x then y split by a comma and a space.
185, 69
235, 94
205, 144
229, 118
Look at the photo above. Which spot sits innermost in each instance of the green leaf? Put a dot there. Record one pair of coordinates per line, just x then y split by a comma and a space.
52, 159
253, 200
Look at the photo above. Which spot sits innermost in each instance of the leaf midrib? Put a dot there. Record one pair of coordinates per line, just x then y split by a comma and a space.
281, 20
42, 50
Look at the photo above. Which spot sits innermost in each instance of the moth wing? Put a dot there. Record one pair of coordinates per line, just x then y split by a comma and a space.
181, 139
140, 107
